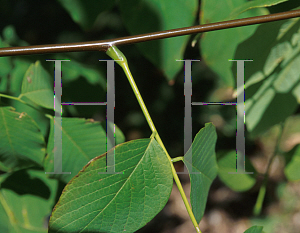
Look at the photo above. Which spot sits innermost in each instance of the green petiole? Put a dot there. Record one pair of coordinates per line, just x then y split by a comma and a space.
120, 58
20, 100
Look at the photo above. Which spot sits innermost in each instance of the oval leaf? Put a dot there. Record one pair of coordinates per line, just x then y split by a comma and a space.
94, 202
201, 163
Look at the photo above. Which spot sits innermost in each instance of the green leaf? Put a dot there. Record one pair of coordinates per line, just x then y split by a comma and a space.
17, 75
82, 140
21, 142
254, 229
38, 116
292, 169
291, 132
6, 66
85, 13
37, 86
271, 79
26, 199
73, 70
157, 15
219, 46
123, 202
251, 5
237, 182
201, 163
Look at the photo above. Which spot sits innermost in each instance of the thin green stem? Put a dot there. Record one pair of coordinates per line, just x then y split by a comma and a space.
174, 160
20, 100
262, 191
13, 98
120, 58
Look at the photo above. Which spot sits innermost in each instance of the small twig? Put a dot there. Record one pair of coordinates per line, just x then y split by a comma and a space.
103, 45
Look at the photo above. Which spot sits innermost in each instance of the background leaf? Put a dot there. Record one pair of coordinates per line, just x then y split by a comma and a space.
116, 202
216, 51
6, 66
201, 163
73, 70
254, 229
272, 78
38, 86
253, 4
241, 182
82, 140
26, 199
158, 15
85, 13
17, 75
21, 142
292, 169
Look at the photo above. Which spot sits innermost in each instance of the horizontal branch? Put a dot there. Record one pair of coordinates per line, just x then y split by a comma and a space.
103, 45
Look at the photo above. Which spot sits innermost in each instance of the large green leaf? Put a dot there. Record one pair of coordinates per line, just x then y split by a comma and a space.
123, 202
254, 229
156, 15
26, 199
272, 79
38, 86
201, 163
219, 46
21, 142
237, 182
84, 12
292, 169
82, 140
251, 5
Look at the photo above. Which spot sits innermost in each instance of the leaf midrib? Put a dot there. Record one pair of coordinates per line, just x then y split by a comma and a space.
137, 165
121, 187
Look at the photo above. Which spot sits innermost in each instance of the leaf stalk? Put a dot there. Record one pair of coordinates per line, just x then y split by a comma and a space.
120, 58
